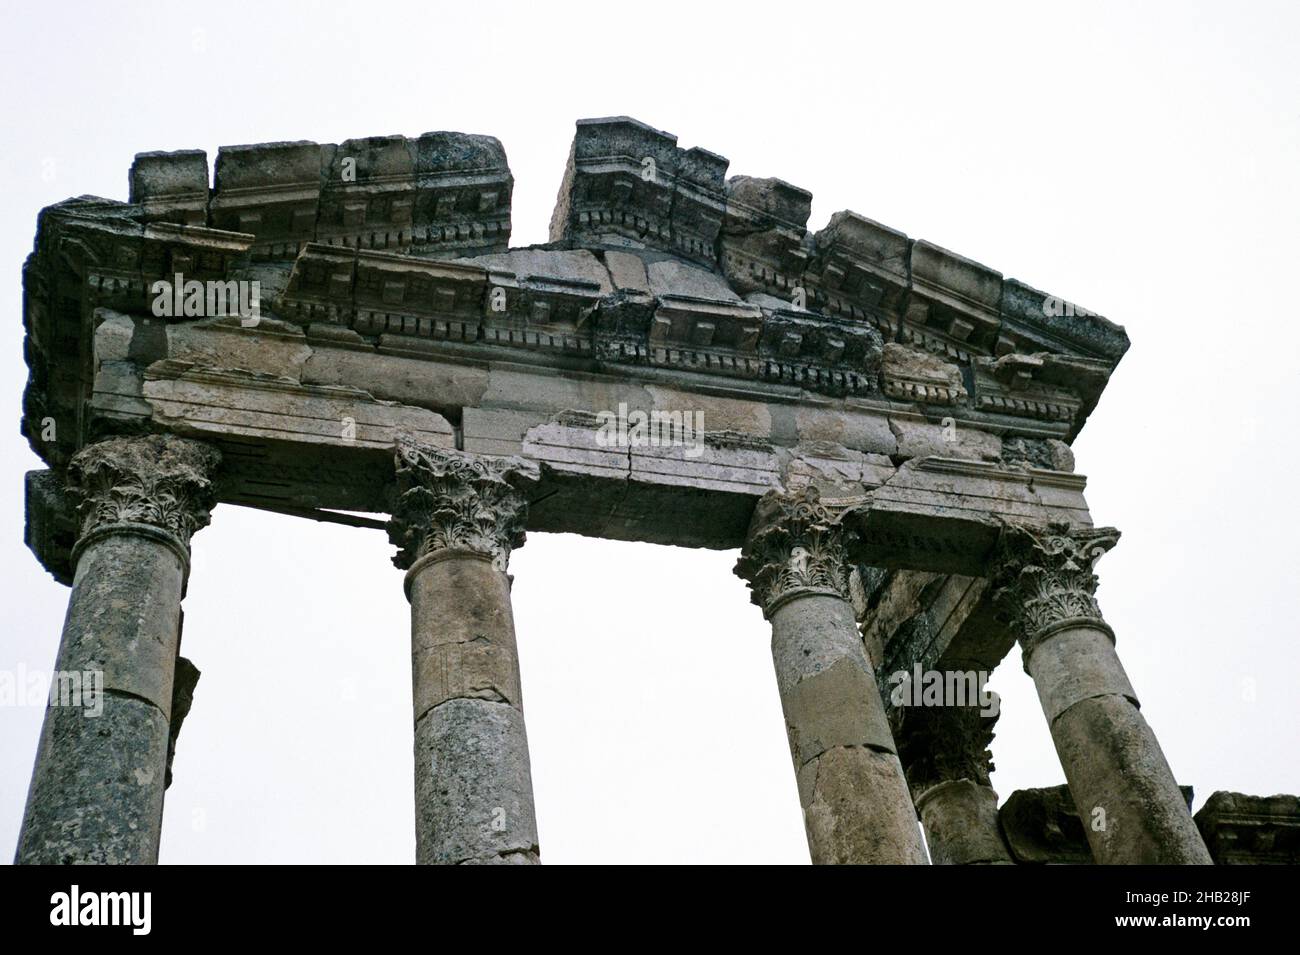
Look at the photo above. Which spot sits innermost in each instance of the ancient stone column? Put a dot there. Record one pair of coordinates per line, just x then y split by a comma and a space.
1130, 805
944, 750
456, 518
97, 790
855, 800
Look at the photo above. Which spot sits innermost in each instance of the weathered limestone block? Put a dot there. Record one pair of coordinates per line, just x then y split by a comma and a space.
943, 437
407, 379
764, 245
1034, 321
456, 519
708, 482
830, 356
1040, 386
367, 194
861, 268
952, 295
1049, 453
270, 190
854, 428
912, 375
463, 188
628, 184
627, 271
171, 186
50, 531
271, 347
837, 471
851, 785
97, 789
220, 402
1042, 826
1117, 774
899, 610
572, 265
944, 514
1251, 830
440, 193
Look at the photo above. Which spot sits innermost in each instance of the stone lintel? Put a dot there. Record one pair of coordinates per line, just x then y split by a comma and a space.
291, 445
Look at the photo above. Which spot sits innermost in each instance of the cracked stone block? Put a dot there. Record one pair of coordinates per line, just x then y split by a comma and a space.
171, 186
474, 789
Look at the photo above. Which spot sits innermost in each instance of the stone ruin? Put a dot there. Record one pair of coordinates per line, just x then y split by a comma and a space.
881, 426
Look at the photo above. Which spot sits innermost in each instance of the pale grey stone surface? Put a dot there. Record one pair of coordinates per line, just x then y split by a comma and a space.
1123, 787
856, 805
456, 519
97, 789
473, 786
927, 401
961, 824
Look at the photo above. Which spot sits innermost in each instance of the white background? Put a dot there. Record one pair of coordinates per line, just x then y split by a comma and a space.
1139, 160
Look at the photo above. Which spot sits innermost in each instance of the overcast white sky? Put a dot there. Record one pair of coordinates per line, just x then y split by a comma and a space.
1141, 160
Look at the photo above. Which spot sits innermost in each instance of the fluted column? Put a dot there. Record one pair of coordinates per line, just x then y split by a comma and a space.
855, 800
944, 750
1130, 805
456, 518
97, 789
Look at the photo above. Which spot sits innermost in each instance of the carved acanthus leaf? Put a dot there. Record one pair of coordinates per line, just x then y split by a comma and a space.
454, 500
160, 480
795, 545
1044, 577
940, 744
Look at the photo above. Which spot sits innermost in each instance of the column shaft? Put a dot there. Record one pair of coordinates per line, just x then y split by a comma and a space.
961, 824
456, 518
97, 788
855, 800
473, 784
1123, 788
1125, 792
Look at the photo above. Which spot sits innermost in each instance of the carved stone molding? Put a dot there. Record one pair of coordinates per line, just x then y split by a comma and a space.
158, 480
795, 546
939, 744
1251, 830
1043, 579
452, 500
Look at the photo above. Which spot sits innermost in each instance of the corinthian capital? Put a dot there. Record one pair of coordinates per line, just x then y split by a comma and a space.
939, 744
1043, 578
159, 480
452, 500
795, 546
